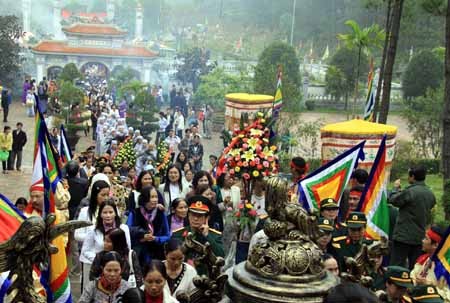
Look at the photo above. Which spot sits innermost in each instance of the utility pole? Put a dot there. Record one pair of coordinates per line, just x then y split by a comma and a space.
293, 21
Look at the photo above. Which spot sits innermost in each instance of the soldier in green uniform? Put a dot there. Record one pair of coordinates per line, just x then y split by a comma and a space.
397, 282
198, 216
329, 209
423, 294
351, 244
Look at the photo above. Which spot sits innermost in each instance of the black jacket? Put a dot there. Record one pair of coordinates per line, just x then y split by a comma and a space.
19, 140
78, 188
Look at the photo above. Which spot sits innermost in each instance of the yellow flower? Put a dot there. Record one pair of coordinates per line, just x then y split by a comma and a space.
267, 152
249, 206
234, 152
255, 173
273, 147
248, 155
255, 132
260, 114
263, 120
237, 169
241, 136
252, 143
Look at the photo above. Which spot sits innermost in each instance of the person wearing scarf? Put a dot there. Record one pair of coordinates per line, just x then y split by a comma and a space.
148, 225
107, 219
423, 271
299, 168
155, 284
110, 286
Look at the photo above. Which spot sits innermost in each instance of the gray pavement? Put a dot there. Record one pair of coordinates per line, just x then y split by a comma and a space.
16, 184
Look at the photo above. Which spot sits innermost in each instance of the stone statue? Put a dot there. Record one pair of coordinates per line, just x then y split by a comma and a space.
288, 265
363, 264
31, 246
209, 289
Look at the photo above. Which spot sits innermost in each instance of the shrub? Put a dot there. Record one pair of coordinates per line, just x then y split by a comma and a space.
310, 105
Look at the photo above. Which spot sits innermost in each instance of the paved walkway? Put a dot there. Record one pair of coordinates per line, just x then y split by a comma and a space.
16, 184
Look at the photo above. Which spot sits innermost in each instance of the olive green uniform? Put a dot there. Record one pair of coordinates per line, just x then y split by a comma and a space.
414, 207
214, 238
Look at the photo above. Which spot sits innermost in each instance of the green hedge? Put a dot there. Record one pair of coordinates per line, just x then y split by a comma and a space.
400, 167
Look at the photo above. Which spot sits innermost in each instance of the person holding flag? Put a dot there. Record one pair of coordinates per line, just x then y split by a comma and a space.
423, 272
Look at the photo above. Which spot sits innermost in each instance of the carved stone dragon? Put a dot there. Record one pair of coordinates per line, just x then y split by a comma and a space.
31, 247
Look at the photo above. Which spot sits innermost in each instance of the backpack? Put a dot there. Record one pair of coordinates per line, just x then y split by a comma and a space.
41, 90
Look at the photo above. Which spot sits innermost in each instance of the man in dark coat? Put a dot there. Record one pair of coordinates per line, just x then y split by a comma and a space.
414, 211
19, 141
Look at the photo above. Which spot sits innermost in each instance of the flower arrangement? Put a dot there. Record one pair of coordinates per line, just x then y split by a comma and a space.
246, 218
163, 160
251, 153
126, 152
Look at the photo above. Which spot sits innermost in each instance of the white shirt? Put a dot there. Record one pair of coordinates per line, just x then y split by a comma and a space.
93, 244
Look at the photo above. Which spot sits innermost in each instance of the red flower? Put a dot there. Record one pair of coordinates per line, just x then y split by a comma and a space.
238, 215
246, 176
252, 213
241, 206
252, 163
259, 166
185, 234
245, 140
239, 164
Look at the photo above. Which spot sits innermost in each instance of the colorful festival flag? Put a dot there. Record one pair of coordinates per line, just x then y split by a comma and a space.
330, 180
10, 218
370, 100
278, 99
373, 200
65, 154
55, 279
441, 258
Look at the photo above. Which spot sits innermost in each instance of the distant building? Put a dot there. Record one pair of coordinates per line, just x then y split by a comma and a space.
96, 49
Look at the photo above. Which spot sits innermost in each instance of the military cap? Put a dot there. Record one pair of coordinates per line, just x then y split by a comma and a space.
199, 204
328, 203
399, 276
326, 225
425, 294
356, 220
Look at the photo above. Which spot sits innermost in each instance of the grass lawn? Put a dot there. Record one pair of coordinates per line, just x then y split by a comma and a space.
435, 184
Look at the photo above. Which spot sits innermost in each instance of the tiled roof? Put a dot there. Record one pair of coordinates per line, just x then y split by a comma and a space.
62, 47
94, 29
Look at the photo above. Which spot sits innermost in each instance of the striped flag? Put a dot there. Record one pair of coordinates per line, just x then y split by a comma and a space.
4, 285
441, 258
10, 219
330, 180
65, 154
278, 100
370, 100
55, 279
373, 200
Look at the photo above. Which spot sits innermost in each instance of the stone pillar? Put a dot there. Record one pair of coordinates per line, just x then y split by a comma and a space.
40, 63
146, 71
26, 16
139, 23
57, 20
110, 10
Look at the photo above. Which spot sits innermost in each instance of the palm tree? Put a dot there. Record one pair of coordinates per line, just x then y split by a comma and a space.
364, 39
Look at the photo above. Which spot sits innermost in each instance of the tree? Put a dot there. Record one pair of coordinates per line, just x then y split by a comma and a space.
142, 107
9, 49
346, 61
424, 116
215, 85
335, 83
424, 71
70, 73
265, 80
442, 8
195, 64
363, 39
397, 9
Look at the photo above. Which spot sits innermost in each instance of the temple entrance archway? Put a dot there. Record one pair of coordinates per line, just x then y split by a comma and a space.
53, 72
95, 72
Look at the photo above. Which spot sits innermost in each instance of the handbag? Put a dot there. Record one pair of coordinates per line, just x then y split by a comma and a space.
4, 154
131, 277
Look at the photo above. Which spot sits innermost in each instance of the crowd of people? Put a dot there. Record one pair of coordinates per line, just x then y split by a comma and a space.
141, 215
